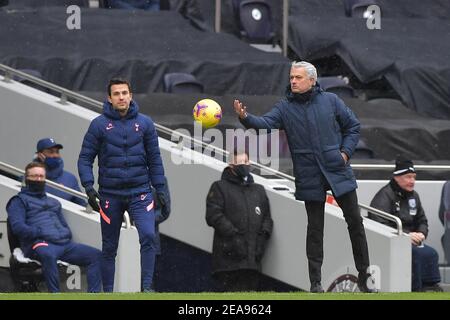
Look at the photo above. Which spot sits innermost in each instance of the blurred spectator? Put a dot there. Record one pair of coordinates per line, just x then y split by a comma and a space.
48, 152
444, 216
238, 210
399, 198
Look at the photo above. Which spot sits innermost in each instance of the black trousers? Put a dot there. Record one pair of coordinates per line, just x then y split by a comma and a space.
314, 236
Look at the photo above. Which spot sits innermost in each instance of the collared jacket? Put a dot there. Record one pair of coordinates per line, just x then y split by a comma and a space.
405, 205
317, 130
128, 153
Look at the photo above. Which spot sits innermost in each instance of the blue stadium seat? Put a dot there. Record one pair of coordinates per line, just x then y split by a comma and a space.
182, 83
362, 151
356, 8
337, 85
255, 20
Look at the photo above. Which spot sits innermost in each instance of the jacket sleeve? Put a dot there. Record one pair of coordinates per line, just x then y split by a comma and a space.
267, 224
350, 127
153, 155
215, 215
420, 220
271, 120
382, 202
74, 185
17, 218
89, 150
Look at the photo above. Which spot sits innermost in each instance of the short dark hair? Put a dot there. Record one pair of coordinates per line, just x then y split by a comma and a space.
32, 165
114, 81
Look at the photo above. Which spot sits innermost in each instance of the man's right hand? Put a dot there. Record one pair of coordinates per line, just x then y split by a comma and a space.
240, 109
92, 199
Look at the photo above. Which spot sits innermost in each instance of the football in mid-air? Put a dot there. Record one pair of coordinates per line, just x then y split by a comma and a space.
207, 112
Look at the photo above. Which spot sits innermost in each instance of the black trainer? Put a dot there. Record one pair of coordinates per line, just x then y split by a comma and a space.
316, 287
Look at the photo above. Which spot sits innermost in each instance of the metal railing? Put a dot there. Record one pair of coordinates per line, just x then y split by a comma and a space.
386, 216
175, 134
19, 173
392, 166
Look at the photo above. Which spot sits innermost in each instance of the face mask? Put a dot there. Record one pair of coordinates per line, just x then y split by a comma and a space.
53, 163
35, 186
242, 170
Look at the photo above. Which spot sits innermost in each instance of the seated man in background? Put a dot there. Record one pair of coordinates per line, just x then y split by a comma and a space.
47, 152
44, 235
238, 209
399, 199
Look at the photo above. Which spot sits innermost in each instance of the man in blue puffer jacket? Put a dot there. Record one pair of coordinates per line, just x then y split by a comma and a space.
129, 160
43, 232
322, 134
48, 152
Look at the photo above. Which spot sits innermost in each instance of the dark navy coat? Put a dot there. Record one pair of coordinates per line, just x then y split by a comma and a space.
128, 153
317, 131
34, 218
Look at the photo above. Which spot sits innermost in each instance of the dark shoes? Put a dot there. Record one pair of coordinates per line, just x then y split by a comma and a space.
366, 283
316, 287
433, 288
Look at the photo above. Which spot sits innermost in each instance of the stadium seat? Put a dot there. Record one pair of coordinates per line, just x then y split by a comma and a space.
362, 151
356, 8
337, 85
181, 83
29, 83
26, 273
255, 21
48, 3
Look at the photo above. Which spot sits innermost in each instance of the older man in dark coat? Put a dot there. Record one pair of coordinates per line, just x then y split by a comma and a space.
238, 210
322, 134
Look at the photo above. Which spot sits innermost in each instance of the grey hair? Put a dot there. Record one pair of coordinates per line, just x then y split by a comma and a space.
310, 69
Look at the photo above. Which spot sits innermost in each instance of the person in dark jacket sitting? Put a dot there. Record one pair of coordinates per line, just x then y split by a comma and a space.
322, 134
129, 160
238, 209
399, 198
48, 152
38, 222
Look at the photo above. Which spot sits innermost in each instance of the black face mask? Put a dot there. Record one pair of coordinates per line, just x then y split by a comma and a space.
242, 170
35, 186
303, 97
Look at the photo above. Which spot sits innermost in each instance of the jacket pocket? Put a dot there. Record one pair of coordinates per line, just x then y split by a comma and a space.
235, 247
333, 157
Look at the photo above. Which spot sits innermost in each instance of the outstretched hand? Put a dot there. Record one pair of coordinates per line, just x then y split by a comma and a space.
240, 109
